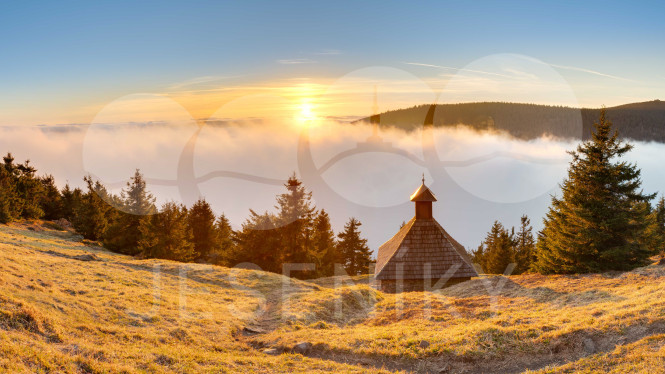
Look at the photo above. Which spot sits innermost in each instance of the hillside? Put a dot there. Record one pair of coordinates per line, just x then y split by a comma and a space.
69, 306
638, 121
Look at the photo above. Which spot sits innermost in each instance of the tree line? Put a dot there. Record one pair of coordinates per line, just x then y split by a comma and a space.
601, 221
638, 121
130, 223
502, 247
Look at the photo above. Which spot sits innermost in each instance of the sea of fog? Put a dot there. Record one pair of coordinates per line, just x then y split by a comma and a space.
351, 170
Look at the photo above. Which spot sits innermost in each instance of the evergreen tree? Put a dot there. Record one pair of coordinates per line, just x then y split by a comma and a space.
295, 218
138, 201
90, 218
354, 249
323, 242
524, 247
224, 251
599, 222
257, 242
496, 252
21, 190
137, 205
71, 200
201, 221
30, 190
655, 232
167, 235
8, 196
270, 241
51, 202
478, 256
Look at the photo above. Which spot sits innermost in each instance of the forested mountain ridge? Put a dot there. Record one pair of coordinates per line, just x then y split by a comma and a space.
638, 121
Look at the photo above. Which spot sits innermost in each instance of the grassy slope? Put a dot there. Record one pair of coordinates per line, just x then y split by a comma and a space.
61, 314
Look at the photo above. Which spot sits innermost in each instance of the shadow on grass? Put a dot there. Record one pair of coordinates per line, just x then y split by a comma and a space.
504, 287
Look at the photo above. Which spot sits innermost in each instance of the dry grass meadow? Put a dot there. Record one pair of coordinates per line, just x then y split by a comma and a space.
70, 306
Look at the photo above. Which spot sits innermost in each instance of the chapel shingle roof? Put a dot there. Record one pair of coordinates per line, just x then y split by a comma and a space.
418, 243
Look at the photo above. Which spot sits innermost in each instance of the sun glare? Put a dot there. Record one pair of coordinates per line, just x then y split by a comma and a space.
307, 113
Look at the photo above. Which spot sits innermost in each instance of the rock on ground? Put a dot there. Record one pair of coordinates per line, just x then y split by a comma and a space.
302, 348
272, 351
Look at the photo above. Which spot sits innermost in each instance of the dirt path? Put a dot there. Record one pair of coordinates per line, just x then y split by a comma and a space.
271, 317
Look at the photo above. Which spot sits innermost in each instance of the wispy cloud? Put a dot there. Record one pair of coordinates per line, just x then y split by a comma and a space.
565, 67
589, 71
198, 81
295, 61
458, 69
328, 52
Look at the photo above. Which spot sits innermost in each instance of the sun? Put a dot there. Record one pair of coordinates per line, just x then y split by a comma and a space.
307, 113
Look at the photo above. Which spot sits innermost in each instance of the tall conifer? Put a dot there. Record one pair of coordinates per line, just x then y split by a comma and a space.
599, 222
167, 235
354, 249
323, 243
525, 246
295, 218
90, 218
137, 204
201, 220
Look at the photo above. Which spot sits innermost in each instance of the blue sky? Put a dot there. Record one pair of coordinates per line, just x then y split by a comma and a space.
62, 61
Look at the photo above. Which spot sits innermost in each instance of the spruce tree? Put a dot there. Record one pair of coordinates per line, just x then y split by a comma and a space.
22, 192
524, 246
295, 218
656, 229
10, 201
138, 201
272, 240
201, 221
71, 200
167, 235
51, 202
599, 222
258, 241
225, 249
478, 256
323, 242
497, 250
5, 214
137, 205
8, 196
90, 219
356, 254
30, 190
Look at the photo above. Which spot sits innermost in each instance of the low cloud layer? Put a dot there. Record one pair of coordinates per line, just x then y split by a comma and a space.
352, 171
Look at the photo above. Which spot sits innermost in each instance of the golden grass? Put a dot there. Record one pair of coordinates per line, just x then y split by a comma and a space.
117, 314
58, 314
646, 356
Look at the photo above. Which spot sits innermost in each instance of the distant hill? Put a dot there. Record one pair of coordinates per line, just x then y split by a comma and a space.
638, 121
647, 105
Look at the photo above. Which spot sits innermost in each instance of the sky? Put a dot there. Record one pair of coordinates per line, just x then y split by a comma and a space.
104, 88
64, 62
